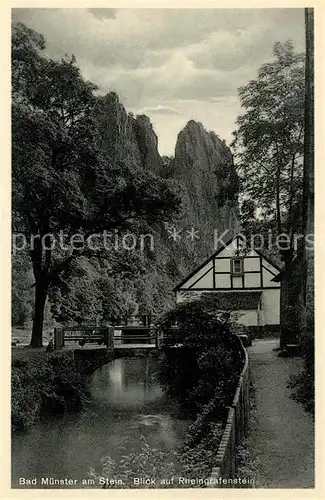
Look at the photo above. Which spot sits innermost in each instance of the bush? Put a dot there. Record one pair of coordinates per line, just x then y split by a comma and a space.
303, 384
197, 456
209, 362
44, 385
147, 463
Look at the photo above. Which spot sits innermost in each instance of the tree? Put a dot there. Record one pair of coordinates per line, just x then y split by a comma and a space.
21, 281
304, 383
268, 147
62, 182
268, 141
308, 177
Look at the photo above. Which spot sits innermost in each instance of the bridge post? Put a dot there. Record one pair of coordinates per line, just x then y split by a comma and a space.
109, 337
58, 338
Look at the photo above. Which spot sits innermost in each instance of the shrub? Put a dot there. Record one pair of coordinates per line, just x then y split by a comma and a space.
147, 463
303, 384
209, 362
44, 385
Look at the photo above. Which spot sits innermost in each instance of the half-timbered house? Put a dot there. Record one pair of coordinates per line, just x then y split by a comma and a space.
241, 280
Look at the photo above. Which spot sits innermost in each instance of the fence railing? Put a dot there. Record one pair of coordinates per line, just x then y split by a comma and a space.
83, 335
106, 336
236, 427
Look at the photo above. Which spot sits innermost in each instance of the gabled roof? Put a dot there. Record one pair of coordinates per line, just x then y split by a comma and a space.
284, 272
235, 301
279, 277
269, 260
204, 263
219, 250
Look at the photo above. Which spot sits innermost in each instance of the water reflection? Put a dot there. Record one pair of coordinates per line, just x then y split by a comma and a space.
126, 382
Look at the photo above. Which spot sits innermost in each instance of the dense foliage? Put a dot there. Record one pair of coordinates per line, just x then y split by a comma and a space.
274, 151
303, 384
44, 385
21, 283
269, 137
165, 466
209, 362
148, 462
268, 145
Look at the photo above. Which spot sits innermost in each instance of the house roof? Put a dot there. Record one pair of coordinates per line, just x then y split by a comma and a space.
204, 263
284, 272
235, 301
279, 277
219, 250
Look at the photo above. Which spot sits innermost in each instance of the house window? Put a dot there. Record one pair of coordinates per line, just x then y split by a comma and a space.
237, 266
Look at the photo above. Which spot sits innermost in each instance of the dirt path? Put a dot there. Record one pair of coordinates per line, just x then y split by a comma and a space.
282, 433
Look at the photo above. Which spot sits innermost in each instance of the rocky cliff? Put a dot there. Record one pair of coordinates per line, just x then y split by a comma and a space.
126, 138
202, 169
203, 165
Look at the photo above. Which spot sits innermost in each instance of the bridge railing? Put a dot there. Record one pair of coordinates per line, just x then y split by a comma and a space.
105, 335
110, 336
135, 335
135, 339
82, 335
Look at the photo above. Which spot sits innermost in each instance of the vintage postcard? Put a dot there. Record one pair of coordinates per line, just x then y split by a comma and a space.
162, 260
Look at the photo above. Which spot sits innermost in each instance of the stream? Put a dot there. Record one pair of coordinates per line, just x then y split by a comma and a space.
126, 403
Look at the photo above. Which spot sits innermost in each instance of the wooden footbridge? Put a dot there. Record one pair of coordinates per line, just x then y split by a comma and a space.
105, 337
93, 346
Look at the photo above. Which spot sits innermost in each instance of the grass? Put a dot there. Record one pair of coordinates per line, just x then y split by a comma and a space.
22, 336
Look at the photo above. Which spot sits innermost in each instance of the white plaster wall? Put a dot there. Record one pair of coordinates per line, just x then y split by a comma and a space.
267, 279
223, 281
252, 264
198, 275
237, 282
252, 280
271, 306
222, 265
205, 282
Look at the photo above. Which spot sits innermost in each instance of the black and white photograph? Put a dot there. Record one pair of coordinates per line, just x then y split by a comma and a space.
162, 248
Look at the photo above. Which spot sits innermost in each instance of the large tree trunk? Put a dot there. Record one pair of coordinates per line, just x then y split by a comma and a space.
41, 259
308, 188
41, 289
290, 303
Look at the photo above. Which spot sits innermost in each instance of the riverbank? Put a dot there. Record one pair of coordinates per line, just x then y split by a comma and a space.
43, 384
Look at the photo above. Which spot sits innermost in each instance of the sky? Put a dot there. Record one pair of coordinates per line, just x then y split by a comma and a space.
173, 65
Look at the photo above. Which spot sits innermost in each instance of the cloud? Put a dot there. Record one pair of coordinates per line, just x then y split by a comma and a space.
103, 13
159, 109
173, 64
